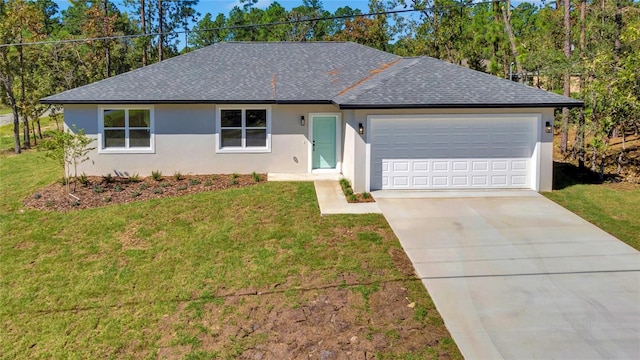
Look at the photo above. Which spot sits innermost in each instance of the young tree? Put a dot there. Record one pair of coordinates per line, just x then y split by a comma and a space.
69, 148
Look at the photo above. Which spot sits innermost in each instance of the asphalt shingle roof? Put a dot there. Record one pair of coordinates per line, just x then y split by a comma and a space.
344, 73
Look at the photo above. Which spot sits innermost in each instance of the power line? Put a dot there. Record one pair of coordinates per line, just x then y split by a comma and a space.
296, 21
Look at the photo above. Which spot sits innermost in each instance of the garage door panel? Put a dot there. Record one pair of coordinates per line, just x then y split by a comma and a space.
519, 165
499, 165
440, 181
440, 166
479, 166
400, 181
452, 153
459, 181
420, 166
460, 165
499, 180
518, 179
479, 181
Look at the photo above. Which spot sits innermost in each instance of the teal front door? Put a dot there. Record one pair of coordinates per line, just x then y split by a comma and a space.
324, 142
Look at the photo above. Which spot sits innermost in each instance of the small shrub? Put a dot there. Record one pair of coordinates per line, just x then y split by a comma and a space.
136, 194
256, 176
156, 175
62, 181
134, 178
75, 203
194, 181
177, 175
182, 187
49, 203
117, 188
344, 183
37, 196
235, 175
108, 179
347, 190
157, 191
107, 199
143, 186
98, 189
83, 179
164, 185
214, 177
208, 183
366, 195
233, 180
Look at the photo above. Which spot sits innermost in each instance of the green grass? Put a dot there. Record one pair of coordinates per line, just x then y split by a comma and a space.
99, 283
6, 132
612, 208
4, 109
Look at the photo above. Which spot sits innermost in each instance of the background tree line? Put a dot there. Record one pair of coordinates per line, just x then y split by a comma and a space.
587, 49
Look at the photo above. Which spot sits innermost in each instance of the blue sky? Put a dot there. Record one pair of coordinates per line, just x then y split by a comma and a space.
223, 6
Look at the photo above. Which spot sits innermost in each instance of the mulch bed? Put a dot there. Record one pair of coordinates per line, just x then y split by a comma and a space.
98, 191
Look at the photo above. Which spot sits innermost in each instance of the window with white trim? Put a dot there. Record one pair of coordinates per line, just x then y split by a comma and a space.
126, 129
244, 129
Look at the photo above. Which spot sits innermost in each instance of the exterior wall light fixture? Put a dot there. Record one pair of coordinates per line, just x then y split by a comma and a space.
360, 129
302, 120
547, 127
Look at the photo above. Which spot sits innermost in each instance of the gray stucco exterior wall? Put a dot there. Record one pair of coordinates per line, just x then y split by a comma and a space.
185, 141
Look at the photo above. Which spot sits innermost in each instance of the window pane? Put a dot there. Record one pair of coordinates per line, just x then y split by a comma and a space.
113, 138
139, 118
257, 137
113, 118
231, 137
139, 138
256, 118
231, 118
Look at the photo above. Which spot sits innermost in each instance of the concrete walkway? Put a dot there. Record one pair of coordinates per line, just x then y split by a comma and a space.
332, 201
520, 277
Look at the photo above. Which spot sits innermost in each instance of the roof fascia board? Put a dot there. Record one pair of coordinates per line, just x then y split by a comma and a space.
126, 102
459, 106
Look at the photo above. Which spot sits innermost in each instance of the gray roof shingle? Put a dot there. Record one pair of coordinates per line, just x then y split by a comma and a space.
347, 74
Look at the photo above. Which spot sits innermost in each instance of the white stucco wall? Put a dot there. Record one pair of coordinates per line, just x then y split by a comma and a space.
185, 141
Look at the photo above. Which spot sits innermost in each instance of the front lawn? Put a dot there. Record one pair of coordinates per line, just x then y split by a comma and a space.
611, 207
253, 272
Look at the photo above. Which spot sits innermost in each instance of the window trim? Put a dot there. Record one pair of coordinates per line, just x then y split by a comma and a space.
126, 150
242, 149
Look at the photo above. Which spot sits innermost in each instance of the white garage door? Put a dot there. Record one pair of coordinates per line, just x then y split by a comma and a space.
453, 153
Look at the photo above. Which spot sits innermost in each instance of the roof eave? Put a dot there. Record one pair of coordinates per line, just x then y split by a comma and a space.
460, 106
147, 102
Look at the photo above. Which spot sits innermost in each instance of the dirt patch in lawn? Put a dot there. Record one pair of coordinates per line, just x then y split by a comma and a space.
345, 320
101, 191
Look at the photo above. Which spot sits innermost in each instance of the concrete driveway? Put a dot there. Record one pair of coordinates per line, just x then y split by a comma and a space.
516, 276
